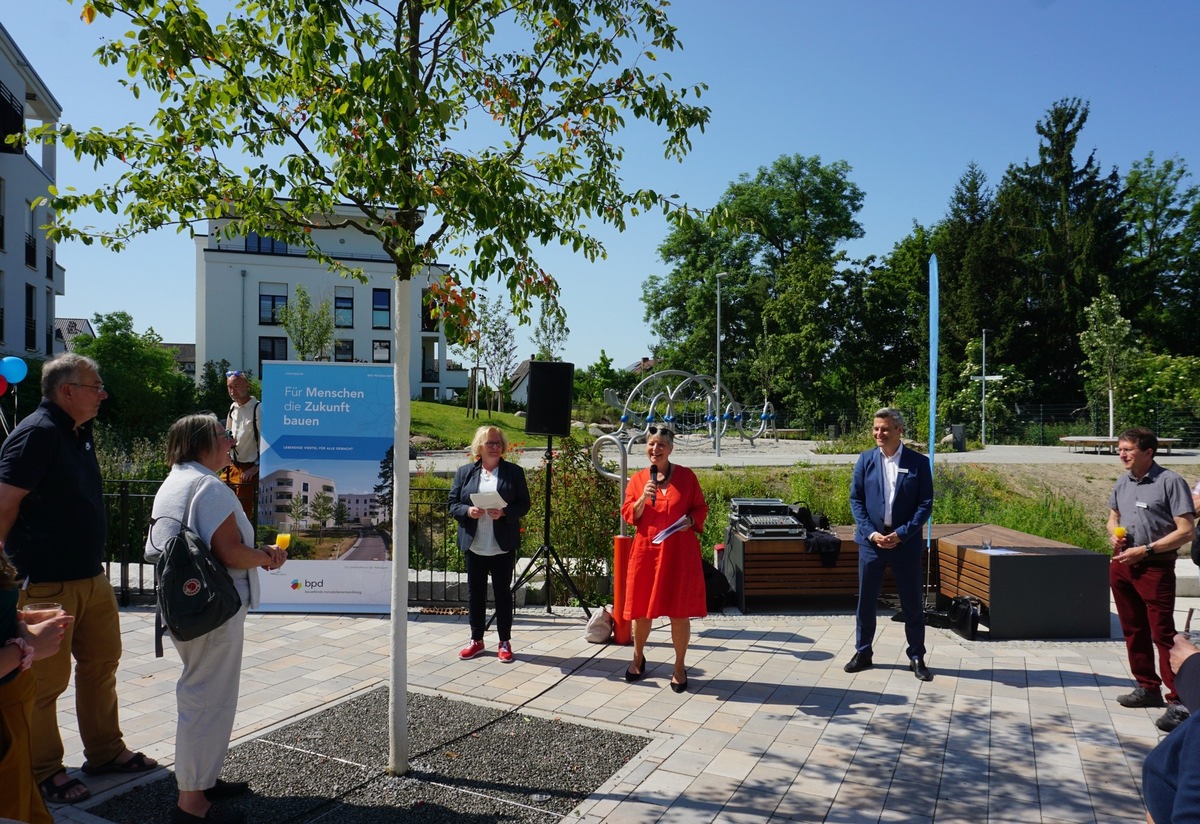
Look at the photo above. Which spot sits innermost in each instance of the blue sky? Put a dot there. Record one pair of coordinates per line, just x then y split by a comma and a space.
907, 93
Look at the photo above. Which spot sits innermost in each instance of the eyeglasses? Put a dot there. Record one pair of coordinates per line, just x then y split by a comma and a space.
1127, 450
235, 373
494, 444
99, 387
662, 430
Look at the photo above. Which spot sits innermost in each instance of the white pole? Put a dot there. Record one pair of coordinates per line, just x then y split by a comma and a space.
983, 390
1110, 412
398, 671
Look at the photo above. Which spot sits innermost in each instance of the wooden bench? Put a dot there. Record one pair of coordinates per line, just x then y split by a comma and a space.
762, 568
1098, 442
1031, 587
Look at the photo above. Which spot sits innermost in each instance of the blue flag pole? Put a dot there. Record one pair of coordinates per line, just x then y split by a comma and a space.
933, 372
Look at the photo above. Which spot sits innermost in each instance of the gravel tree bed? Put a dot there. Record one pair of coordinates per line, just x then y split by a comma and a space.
469, 763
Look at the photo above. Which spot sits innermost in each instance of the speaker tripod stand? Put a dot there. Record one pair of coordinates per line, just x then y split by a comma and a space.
546, 554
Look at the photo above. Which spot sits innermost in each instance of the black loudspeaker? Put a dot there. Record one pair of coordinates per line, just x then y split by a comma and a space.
549, 409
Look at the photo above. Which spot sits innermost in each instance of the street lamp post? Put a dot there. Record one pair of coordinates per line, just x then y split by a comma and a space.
717, 441
983, 379
983, 388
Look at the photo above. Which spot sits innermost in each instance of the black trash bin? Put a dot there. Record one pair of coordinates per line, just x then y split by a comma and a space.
958, 434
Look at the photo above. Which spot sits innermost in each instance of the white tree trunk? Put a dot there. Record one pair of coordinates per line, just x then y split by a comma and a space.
398, 705
1110, 412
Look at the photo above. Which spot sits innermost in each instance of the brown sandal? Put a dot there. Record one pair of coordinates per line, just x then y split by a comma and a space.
137, 763
61, 793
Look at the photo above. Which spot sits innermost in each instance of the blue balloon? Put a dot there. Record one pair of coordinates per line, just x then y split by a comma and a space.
13, 369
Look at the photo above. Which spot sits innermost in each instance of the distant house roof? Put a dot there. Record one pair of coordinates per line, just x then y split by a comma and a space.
519, 374
67, 329
185, 356
642, 367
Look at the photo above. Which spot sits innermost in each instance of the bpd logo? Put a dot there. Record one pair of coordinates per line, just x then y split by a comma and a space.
306, 584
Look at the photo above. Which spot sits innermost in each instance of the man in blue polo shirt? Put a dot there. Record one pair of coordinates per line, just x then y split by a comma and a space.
53, 528
1154, 508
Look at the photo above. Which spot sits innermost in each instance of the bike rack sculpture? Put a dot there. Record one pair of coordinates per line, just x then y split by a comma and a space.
691, 405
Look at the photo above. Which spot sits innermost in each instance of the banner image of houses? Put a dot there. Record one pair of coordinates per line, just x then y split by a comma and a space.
326, 429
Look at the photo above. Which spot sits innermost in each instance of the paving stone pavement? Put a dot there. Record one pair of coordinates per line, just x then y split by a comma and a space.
771, 730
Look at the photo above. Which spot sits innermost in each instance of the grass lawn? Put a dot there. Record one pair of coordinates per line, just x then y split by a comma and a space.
450, 427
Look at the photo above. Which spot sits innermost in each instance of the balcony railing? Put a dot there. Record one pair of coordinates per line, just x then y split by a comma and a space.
50, 264
429, 375
1, 232
30, 251
31, 334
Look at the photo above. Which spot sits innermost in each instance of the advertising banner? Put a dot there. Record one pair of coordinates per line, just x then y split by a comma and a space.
326, 429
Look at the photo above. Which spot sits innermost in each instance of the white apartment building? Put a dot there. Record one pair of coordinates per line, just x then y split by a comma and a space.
30, 277
361, 508
277, 490
242, 283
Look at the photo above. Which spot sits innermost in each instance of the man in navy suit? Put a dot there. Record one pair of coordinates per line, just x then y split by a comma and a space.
891, 496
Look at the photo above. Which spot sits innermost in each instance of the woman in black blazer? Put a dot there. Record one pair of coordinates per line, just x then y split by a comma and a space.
489, 537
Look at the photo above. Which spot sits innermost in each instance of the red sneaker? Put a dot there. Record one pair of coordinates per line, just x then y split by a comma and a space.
471, 650
505, 654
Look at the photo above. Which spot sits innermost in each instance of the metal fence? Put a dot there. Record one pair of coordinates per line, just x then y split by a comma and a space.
435, 564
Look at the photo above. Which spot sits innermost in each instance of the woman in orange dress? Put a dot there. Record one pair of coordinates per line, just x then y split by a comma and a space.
664, 579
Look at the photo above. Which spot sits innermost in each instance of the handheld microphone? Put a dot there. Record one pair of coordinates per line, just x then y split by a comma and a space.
654, 478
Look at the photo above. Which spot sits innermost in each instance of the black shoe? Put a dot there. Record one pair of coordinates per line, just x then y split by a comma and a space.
1141, 697
860, 661
679, 687
632, 676
917, 665
215, 815
226, 789
1175, 715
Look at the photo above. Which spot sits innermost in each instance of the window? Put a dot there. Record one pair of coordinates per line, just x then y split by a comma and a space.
265, 245
30, 237
343, 307
49, 346
271, 349
381, 351
343, 350
271, 298
381, 309
30, 318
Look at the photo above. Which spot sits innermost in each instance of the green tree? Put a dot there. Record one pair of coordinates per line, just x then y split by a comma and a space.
387, 476
550, 333
1163, 260
1105, 344
321, 509
341, 514
309, 329
297, 510
278, 118
784, 227
497, 347
146, 392
1062, 235
212, 391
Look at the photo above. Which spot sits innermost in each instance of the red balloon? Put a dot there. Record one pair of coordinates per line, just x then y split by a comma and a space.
3, 384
